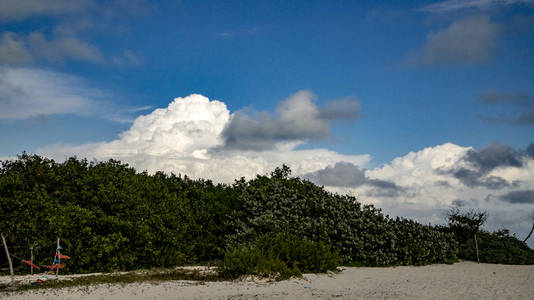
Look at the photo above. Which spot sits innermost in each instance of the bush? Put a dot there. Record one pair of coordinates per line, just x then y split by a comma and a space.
280, 256
361, 234
497, 248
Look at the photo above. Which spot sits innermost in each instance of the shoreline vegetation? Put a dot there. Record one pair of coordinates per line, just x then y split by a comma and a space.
196, 273
111, 218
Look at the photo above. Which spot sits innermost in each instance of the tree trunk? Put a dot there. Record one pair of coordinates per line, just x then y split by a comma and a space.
59, 259
528, 236
31, 260
476, 246
8, 257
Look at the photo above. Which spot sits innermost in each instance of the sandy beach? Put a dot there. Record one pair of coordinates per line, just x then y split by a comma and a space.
464, 280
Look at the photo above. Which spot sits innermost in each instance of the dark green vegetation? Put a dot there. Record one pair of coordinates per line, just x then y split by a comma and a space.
283, 254
110, 218
497, 247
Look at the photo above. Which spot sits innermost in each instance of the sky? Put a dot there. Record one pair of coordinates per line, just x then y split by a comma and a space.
414, 106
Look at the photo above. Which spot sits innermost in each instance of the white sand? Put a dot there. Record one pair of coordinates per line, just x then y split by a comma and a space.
465, 280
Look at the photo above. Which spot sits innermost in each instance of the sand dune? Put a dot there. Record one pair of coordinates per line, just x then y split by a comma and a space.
465, 280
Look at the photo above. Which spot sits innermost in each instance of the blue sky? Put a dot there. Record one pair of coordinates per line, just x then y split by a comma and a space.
379, 80
256, 53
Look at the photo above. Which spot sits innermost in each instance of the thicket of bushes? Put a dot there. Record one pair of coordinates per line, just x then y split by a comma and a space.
496, 247
280, 255
109, 217
361, 234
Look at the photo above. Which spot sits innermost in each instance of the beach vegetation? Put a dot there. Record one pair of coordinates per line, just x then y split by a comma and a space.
280, 256
111, 217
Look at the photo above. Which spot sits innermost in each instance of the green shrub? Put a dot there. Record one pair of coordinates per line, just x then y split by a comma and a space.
361, 234
497, 248
280, 256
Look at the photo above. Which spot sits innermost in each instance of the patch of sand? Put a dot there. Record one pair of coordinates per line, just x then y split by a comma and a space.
465, 280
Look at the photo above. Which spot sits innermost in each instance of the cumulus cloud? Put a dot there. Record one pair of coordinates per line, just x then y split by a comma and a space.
27, 93
521, 103
344, 174
428, 192
468, 41
451, 6
188, 137
494, 156
297, 118
475, 168
348, 109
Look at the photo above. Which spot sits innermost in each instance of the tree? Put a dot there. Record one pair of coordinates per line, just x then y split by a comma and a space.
531, 230
468, 221
281, 172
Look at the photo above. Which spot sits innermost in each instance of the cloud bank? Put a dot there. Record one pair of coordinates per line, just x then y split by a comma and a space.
191, 136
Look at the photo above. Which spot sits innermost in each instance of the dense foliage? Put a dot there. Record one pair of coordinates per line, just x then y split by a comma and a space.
497, 247
109, 217
361, 234
281, 255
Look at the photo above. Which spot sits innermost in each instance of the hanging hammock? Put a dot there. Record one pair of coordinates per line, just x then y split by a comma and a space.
61, 256
53, 267
31, 265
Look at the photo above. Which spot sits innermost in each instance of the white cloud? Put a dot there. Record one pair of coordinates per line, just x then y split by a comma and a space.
468, 41
417, 168
186, 137
450, 6
297, 118
61, 48
4, 158
27, 93
429, 192
20, 49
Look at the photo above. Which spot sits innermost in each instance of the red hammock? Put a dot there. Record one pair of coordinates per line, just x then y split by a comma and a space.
55, 266
61, 256
30, 263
